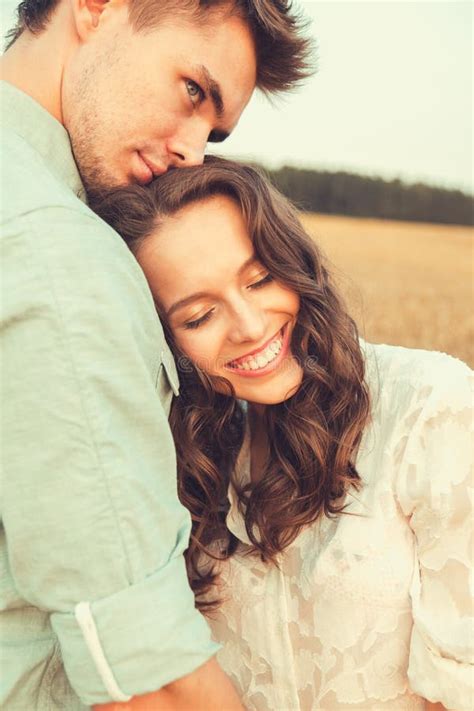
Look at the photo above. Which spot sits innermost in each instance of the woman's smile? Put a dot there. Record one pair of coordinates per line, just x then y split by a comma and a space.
263, 360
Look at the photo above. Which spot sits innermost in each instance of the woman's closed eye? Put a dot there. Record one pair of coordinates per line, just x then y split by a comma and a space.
199, 321
196, 323
261, 282
196, 94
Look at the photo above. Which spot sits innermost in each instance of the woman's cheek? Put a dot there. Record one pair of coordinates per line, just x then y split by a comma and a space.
201, 349
290, 301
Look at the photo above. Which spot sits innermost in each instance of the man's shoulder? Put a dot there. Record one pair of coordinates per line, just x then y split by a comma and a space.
28, 183
41, 209
48, 230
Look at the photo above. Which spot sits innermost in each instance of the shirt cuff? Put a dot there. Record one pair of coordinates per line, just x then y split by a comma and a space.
438, 678
136, 640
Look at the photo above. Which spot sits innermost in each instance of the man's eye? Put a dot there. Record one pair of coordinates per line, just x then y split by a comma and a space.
195, 92
261, 282
199, 321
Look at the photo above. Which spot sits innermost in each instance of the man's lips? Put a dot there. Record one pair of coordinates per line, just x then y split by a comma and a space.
147, 169
156, 168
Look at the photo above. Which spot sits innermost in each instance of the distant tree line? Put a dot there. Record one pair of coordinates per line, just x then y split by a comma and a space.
362, 196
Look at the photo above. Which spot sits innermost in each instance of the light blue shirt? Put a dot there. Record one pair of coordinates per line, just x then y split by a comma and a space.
94, 599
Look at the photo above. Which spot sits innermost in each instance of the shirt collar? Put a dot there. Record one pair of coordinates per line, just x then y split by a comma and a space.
26, 118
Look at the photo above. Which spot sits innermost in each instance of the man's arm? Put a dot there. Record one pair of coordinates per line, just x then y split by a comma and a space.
206, 689
94, 529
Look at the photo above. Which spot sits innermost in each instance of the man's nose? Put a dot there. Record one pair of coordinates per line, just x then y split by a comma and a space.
249, 324
186, 151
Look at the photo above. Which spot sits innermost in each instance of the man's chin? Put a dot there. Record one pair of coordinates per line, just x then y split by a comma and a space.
98, 182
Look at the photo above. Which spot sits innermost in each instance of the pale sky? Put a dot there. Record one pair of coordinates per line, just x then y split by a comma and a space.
393, 95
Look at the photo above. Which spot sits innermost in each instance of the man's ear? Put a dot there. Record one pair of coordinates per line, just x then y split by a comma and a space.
88, 14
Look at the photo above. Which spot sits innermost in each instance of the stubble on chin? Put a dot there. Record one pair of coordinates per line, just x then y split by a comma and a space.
96, 179
90, 128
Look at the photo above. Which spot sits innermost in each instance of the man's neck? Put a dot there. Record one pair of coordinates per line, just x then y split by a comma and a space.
34, 64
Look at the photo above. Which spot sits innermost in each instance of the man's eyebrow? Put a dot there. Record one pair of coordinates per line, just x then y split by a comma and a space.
211, 87
204, 294
213, 90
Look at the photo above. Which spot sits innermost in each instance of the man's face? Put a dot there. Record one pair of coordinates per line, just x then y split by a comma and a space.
136, 104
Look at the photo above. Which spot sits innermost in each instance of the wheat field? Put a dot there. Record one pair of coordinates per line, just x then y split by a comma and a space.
405, 283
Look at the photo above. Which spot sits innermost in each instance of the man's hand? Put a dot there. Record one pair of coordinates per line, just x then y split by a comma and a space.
206, 689
431, 706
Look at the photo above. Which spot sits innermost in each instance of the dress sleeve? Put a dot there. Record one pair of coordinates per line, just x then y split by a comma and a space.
95, 533
435, 492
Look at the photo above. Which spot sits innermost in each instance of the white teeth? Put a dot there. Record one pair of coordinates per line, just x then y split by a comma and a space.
275, 347
262, 359
272, 351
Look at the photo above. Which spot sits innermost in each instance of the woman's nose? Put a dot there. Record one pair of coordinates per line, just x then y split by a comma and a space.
249, 324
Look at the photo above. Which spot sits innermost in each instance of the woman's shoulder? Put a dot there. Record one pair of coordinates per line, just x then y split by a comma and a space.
390, 368
421, 419
409, 387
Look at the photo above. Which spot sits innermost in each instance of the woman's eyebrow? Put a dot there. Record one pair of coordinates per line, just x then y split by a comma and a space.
187, 300
248, 262
205, 294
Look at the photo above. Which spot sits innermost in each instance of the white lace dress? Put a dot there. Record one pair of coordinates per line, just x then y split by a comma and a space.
370, 611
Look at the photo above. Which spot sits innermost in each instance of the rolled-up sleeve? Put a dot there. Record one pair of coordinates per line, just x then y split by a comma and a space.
95, 532
435, 491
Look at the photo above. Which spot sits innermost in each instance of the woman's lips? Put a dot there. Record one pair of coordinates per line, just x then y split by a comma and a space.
256, 368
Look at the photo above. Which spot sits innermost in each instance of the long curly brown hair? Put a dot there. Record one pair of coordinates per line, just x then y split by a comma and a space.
314, 435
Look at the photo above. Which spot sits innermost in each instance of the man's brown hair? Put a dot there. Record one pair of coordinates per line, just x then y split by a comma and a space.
283, 50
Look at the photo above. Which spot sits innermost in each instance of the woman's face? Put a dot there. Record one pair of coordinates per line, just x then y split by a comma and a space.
225, 311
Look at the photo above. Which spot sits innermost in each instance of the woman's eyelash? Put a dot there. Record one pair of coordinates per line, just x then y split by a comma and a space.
262, 282
198, 321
